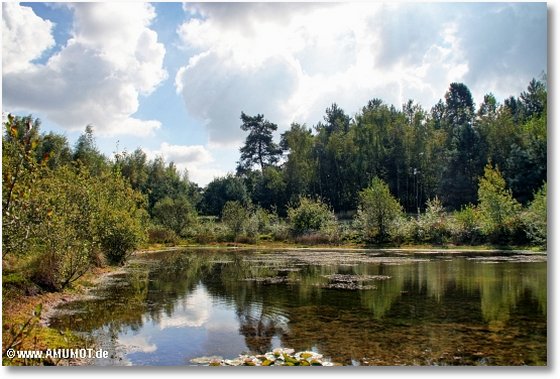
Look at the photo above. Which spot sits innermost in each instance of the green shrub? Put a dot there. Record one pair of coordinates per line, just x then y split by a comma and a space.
535, 219
119, 234
160, 234
207, 230
280, 231
465, 226
499, 211
235, 217
404, 230
310, 216
433, 224
175, 214
377, 212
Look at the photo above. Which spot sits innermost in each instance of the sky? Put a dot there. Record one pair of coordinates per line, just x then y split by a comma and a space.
173, 78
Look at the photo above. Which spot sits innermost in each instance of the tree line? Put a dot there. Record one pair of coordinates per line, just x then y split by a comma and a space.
385, 175
420, 154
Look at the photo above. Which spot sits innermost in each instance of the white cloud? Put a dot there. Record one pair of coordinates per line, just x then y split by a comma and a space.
195, 311
290, 62
136, 343
24, 37
196, 159
111, 59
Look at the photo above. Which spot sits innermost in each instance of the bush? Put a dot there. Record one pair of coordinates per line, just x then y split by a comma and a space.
235, 217
280, 231
208, 230
175, 214
432, 225
310, 216
119, 217
377, 212
535, 219
119, 236
465, 226
404, 230
160, 234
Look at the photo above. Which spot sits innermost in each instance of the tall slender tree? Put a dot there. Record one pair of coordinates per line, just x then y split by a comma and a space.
259, 147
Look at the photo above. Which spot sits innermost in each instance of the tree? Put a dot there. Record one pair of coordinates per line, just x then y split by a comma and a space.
163, 181
259, 147
332, 152
299, 168
465, 158
20, 177
459, 106
86, 152
377, 211
221, 190
174, 214
54, 150
336, 120
269, 189
498, 209
534, 100
526, 163
134, 167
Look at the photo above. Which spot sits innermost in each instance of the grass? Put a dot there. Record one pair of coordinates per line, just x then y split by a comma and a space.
18, 309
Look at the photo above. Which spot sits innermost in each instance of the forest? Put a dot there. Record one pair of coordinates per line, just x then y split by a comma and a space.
456, 174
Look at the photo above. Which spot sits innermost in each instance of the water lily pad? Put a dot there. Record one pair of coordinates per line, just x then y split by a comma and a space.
205, 360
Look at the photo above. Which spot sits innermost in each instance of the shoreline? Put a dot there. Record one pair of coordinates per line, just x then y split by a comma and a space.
15, 311
293, 247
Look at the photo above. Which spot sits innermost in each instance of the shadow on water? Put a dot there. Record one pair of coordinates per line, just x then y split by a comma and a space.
368, 308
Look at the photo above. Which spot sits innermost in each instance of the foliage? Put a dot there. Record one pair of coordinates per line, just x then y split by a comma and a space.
160, 234
465, 226
310, 216
535, 218
20, 173
63, 243
432, 225
63, 218
235, 216
87, 154
377, 211
174, 214
259, 148
221, 190
499, 211
299, 168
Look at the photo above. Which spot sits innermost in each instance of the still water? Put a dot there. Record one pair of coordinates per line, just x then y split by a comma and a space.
354, 307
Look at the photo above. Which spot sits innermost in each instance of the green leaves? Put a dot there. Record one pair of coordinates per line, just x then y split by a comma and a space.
498, 209
377, 212
259, 147
310, 216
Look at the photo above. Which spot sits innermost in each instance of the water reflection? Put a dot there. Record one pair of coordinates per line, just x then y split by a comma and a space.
363, 307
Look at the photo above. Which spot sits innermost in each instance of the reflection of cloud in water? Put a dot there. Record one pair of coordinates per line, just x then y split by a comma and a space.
136, 343
193, 311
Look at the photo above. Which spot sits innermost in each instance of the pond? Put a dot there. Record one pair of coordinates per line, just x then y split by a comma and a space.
366, 307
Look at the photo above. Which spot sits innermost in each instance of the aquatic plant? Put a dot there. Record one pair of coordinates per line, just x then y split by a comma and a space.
277, 357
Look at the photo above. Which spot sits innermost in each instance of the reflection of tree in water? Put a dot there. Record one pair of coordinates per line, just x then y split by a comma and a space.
419, 308
259, 328
259, 311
